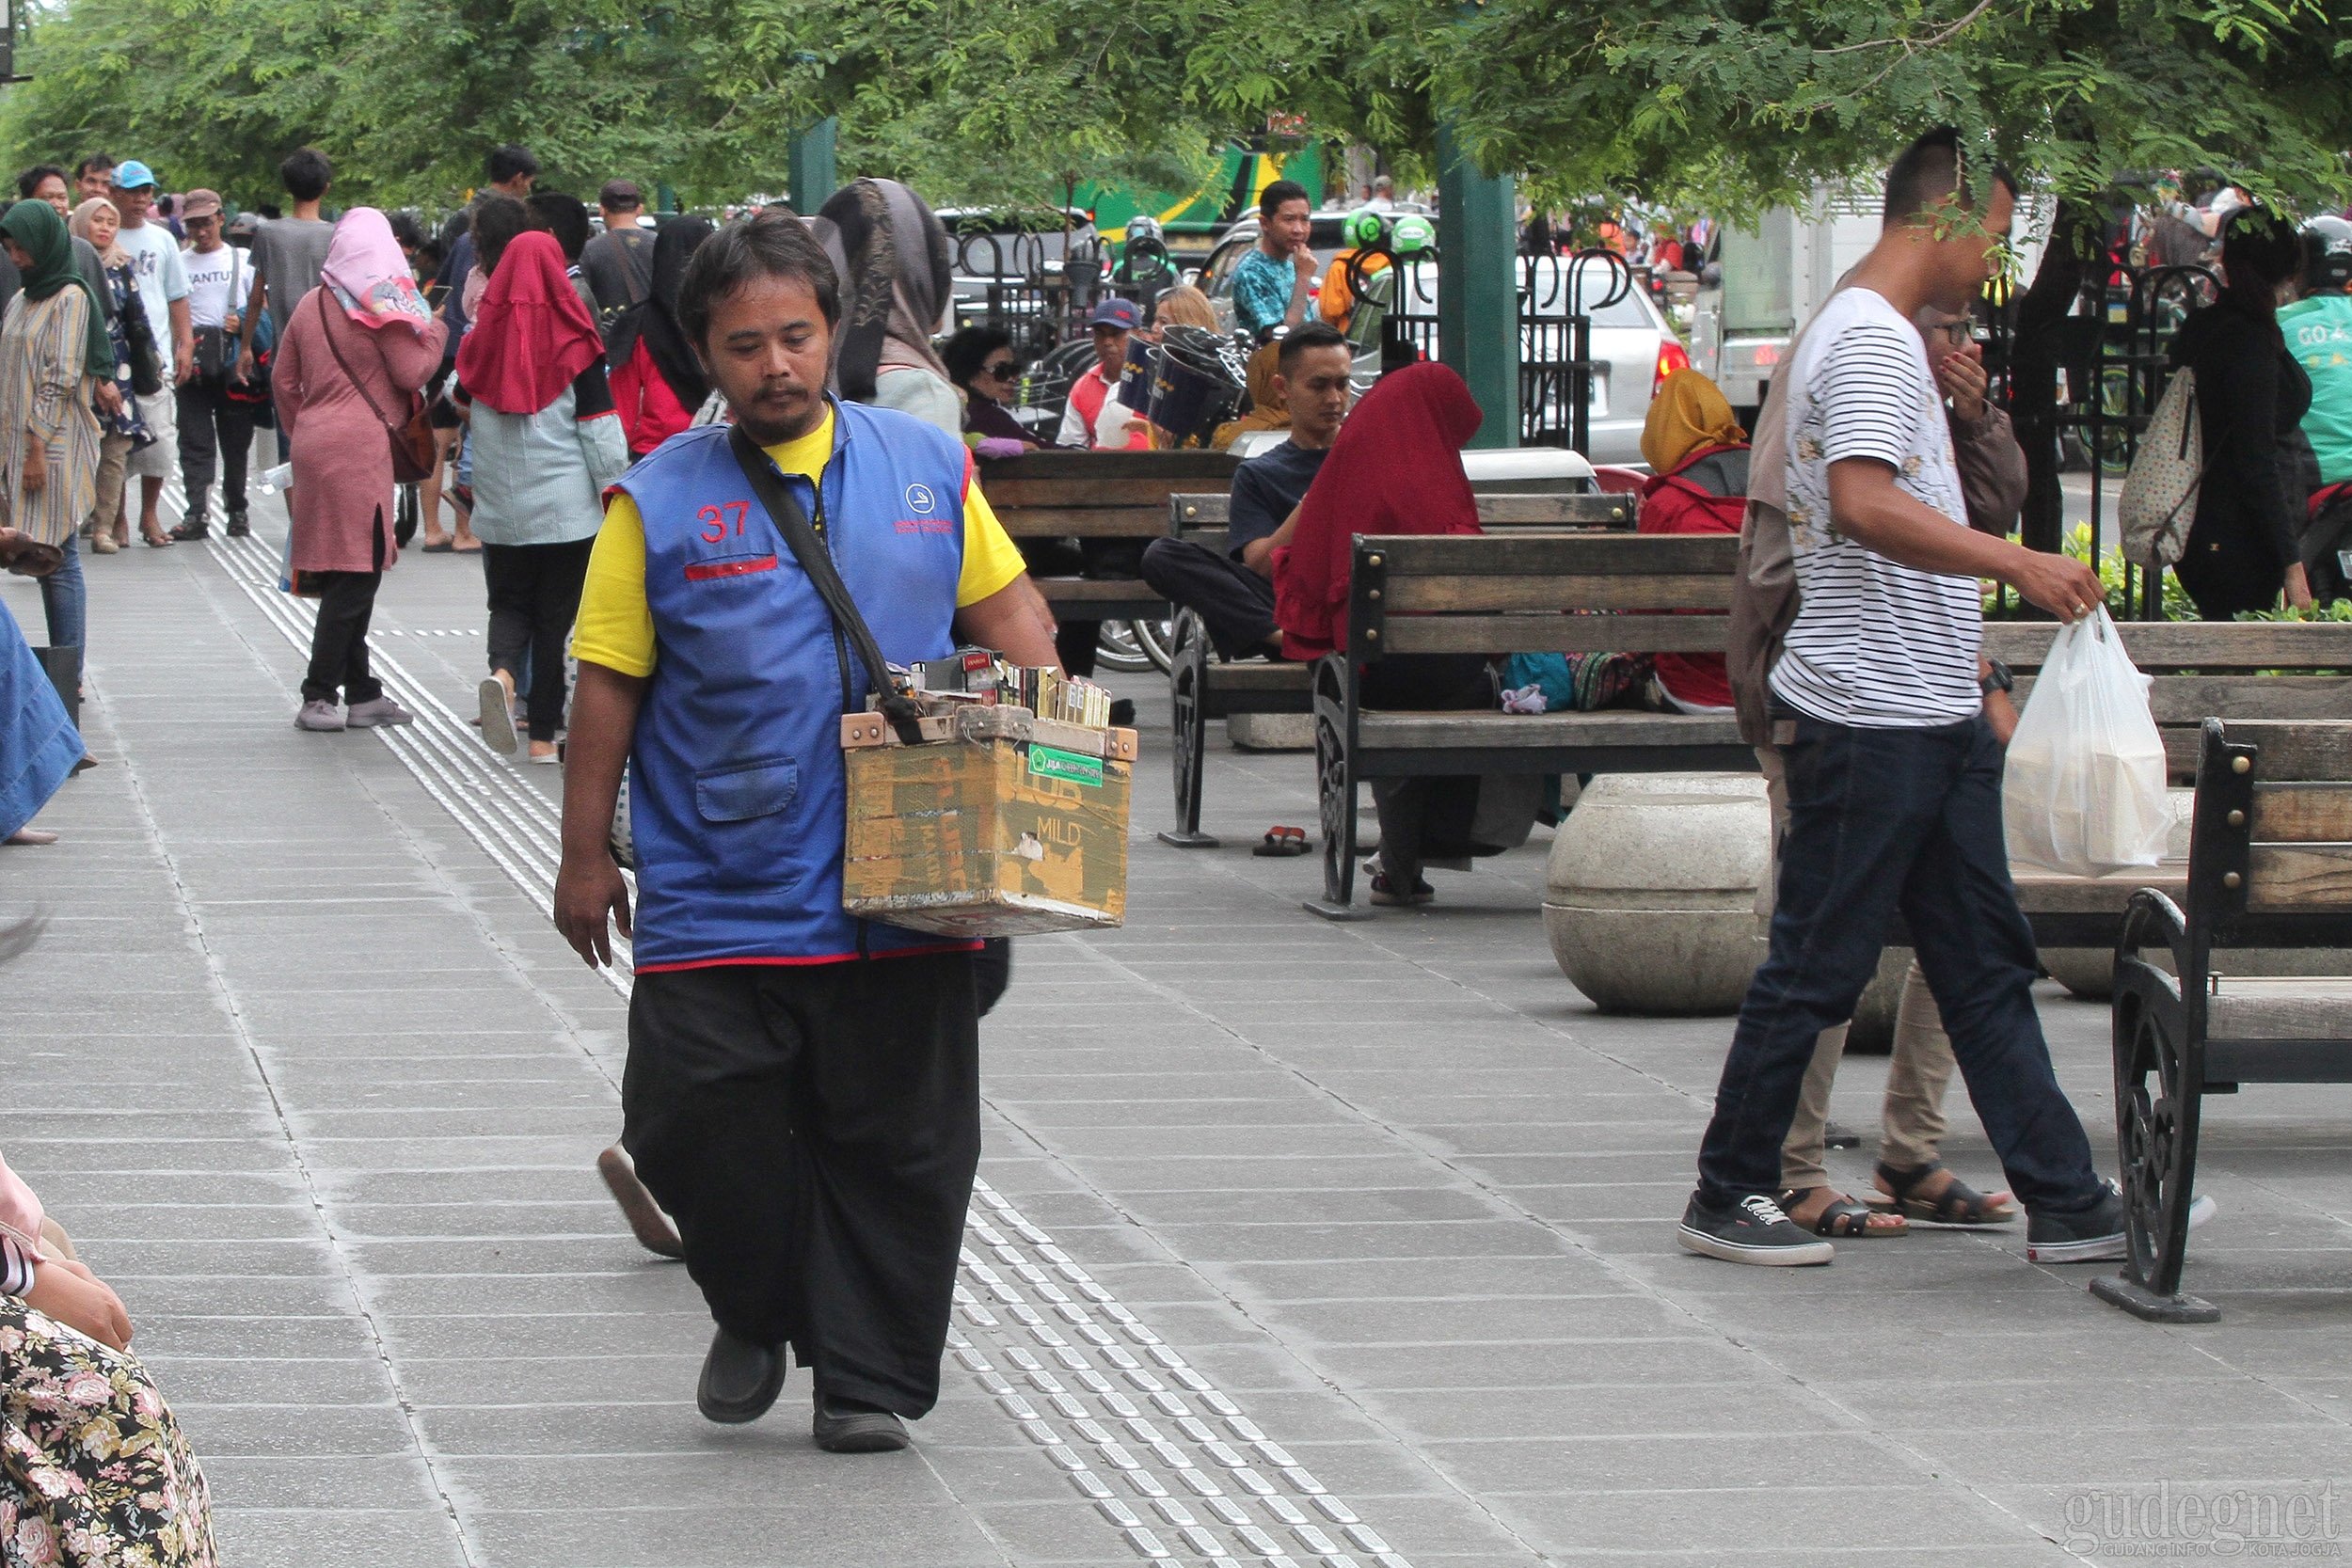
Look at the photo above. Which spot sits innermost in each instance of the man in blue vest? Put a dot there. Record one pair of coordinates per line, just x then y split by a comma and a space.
802, 1092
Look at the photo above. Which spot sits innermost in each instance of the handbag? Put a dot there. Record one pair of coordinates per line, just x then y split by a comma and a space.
414, 453
2159, 502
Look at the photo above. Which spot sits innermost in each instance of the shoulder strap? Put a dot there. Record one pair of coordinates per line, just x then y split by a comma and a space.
327, 330
776, 498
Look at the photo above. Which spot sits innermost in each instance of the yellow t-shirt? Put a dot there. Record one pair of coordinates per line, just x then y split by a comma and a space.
615, 624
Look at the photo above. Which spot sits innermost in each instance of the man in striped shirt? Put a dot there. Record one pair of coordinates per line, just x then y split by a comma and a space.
1894, 774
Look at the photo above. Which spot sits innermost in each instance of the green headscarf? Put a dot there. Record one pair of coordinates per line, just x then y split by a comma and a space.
36, 226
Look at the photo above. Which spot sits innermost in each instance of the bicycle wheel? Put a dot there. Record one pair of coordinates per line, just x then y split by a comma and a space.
1157, 638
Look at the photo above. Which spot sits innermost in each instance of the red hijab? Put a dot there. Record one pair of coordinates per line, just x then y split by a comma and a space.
1396, 469
532, 336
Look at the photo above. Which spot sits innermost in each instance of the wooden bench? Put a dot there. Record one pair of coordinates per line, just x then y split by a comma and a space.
1505, 595
1097, 497
1201, 687
2270, 865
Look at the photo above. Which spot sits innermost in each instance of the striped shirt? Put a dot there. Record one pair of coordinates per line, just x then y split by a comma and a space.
1875, 646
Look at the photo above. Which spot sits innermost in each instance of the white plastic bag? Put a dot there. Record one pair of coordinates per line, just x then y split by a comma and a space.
2084, 792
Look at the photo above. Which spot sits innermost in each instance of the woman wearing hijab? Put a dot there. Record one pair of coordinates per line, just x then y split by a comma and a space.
355, 351
54, 355
658, 384
1397, 469
1267, 411
1699, 458
546, 441
96, 223
897, 267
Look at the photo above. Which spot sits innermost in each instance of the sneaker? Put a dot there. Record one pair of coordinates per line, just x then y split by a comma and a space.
1753, 1231
188, 532
739, 1381
320, 715
2094, 1235
497, 715
846, 1426
379, 710
238, 526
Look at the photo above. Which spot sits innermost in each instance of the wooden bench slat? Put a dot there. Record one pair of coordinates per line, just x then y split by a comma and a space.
2193, 645
1105, 522
2302, 813
1588, 554
1081, 590
1405, 731
1495, 510
1258, 675
1557, 634
1193, 469
2055, 893
1094, 490
2295, 752
2193, 699
1535, 594
2298, 876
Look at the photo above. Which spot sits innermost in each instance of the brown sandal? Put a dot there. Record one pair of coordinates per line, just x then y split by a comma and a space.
1958, 1205
1842, 1220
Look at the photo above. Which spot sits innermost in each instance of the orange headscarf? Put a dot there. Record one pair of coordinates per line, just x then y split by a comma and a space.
1689, 415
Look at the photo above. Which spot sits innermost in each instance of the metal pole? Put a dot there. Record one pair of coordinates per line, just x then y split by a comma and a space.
1478, 319
809, 162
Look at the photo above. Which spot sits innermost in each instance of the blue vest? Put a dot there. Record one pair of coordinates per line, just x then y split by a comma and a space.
735, 788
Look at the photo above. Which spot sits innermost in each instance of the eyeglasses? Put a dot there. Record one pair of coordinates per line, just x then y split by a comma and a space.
1002, 370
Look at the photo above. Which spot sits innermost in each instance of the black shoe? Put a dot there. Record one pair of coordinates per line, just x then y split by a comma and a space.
1122, 713
739, 1381
2092, 1235
238, 526
187, 533
848, 1426
1753, 1231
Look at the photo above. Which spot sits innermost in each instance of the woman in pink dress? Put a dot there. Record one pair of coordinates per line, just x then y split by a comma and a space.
355, 349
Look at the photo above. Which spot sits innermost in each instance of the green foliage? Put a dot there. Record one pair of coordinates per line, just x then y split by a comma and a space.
2121, 581
2340, 610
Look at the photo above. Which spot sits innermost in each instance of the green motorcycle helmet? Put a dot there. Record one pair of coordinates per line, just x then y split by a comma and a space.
1412, 234
1363, 229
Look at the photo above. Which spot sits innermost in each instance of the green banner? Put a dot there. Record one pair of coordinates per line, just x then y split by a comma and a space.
1045, 762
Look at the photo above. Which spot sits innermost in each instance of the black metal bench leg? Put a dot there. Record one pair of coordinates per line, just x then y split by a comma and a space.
1187, 688
2159, 1101
1335, 787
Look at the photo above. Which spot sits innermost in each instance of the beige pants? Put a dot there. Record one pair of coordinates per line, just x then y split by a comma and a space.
114, 454
1911, 1120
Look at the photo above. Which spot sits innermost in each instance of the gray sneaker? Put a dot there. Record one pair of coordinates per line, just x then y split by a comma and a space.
320, 715
379, 710
2094, 1235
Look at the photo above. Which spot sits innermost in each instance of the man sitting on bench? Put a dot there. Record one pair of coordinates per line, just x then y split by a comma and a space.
1233, 593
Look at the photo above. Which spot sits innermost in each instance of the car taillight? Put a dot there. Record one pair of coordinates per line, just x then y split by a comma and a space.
1672, 357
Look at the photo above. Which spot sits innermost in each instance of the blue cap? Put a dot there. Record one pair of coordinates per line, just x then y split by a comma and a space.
129, 176
1123, 314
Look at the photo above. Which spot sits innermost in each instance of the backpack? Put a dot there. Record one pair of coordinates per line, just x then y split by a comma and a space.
2160, 493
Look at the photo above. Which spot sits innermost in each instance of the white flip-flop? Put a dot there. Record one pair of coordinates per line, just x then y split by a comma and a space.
498, 717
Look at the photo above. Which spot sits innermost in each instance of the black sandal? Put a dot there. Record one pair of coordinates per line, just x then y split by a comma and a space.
1844, 1220
1958, 1205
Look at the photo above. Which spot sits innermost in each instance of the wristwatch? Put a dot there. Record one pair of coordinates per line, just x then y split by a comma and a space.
1999, 680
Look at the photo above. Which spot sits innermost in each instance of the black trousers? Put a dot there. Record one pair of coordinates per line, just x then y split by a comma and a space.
211, 423
1423, 819
814, 1131
1233, 602
338, 642
534, 597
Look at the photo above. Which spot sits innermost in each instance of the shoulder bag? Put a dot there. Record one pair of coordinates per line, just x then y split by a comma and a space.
138, 343
413, 451
2159, 501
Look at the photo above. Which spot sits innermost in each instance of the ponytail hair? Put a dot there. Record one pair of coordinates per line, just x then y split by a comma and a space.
2260, 250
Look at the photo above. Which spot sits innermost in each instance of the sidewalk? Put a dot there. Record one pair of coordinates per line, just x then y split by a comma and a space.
317, 1086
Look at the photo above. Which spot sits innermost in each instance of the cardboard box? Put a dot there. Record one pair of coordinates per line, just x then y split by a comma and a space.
999, 824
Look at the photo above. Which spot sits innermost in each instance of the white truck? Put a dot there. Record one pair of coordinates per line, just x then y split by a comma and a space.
1758, 285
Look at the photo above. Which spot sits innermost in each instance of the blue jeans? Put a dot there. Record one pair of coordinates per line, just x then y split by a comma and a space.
62, 598
1882, 820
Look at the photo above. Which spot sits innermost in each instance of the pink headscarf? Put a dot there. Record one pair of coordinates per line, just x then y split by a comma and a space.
370, 277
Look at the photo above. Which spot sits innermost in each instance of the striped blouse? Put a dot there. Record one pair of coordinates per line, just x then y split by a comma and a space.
44, 394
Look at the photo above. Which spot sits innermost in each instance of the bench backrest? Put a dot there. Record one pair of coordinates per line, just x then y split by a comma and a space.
2201, 669
1505, 593
2270, 844
1097, 494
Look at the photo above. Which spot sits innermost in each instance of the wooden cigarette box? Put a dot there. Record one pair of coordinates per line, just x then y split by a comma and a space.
998, 824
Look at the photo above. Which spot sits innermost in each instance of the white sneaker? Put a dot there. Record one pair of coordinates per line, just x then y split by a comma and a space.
322, 715
379, 710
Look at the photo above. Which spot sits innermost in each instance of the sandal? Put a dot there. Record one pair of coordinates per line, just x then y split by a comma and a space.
1282, 842
1842, 1220
1958, 1205
1385, 893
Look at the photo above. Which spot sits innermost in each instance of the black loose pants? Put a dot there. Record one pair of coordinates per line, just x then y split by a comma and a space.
814, 1131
